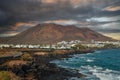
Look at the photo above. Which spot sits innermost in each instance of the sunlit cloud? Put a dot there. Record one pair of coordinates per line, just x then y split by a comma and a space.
112, 8
63, 22
22, 25
113, 35
113, 27
9, 34
104, 19
76, 23
16, 28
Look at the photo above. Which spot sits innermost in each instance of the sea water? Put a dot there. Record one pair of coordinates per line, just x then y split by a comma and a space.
100, 65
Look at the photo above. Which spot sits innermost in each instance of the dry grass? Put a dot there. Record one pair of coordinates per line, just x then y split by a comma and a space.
13, 63
40, 53
4, 53
5, 75
60, 51
26, 57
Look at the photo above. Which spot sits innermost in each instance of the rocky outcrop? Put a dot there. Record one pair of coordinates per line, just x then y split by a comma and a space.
37, 66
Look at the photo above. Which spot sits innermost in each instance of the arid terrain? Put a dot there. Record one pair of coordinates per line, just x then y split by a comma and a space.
53, 33
34, 65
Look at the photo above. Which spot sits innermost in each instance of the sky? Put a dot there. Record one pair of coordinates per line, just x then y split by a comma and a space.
100, 15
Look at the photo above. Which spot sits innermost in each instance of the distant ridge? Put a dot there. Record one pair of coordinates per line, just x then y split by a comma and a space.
52, 33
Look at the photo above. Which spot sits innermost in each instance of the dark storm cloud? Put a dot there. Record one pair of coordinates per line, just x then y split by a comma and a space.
32, 9
23, 10
12, 11
3, 16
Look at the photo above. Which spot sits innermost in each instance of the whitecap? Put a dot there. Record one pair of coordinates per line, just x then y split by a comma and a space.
99, 72
89, 53
89, 60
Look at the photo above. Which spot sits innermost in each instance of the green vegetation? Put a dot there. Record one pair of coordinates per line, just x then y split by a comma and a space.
110, 46
4, 75
26, 57
1, 53
78, 47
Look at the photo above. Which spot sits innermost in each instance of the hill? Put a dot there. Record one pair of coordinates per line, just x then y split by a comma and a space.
52, 33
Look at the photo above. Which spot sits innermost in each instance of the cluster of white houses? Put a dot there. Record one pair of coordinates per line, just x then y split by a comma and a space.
62, 44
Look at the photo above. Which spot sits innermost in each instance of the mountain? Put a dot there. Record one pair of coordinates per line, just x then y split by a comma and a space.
52, 33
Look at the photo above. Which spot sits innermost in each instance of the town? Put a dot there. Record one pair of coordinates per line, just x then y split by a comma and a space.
64, 45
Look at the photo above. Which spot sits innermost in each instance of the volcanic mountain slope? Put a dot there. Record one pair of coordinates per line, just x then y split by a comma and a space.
52, 33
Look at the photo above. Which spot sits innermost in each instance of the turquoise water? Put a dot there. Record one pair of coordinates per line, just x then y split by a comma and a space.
100, 65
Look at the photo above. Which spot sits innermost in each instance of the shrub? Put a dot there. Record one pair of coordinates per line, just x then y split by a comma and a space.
4, 75
26, 57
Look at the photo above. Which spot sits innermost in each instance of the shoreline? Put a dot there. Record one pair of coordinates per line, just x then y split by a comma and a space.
40, 68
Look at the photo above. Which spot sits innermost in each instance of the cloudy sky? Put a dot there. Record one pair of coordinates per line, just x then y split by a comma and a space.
100, 15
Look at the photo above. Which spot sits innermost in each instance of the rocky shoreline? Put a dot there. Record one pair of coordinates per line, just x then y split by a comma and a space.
38, 67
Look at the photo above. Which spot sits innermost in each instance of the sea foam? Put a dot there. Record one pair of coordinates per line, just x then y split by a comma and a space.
99, 72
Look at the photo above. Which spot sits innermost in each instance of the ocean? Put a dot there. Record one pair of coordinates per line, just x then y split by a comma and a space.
99, 65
